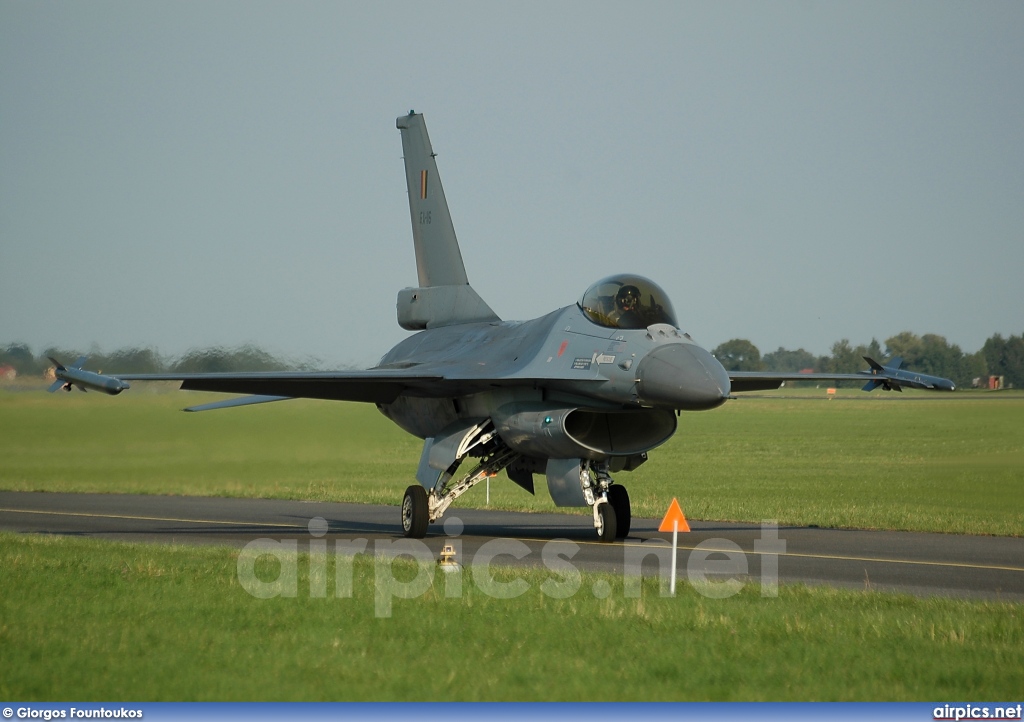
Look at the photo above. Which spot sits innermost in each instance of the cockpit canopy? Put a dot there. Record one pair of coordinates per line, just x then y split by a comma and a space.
628, 302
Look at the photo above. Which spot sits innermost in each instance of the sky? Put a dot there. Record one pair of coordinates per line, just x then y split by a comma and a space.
190, 174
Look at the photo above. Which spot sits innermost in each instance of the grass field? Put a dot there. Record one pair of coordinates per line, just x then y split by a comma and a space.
88, 620
913, 461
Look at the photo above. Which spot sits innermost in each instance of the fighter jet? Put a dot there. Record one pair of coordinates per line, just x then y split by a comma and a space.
575, 396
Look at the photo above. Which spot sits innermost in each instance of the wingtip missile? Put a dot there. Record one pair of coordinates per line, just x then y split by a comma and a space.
75, 375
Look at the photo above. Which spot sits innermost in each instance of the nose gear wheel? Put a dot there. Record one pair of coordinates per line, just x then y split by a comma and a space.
609, 502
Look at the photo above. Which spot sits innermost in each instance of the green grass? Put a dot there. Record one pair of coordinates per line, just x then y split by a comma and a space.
917, 462
89, 620
911, 461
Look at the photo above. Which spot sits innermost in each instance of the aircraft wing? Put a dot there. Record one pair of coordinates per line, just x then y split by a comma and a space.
890, 377
766, 380
373, 386
379, 385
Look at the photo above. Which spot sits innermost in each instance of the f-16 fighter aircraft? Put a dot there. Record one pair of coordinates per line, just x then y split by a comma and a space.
577, 395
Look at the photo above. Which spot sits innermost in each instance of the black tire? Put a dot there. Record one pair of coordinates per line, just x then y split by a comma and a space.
415, 512
606, 532
618, 497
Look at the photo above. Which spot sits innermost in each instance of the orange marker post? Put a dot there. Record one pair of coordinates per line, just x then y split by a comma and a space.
674, 522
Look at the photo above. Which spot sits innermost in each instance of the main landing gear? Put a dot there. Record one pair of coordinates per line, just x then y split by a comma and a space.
421, 508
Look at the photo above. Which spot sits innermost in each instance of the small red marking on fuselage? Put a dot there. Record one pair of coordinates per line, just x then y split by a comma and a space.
561, 349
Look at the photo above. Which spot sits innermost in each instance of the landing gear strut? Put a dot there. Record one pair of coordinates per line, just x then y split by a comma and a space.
421, 508
604, 521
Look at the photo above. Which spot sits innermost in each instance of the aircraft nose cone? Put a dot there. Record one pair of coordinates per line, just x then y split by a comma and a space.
682, 376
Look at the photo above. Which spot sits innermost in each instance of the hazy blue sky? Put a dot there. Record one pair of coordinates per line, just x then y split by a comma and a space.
182, 174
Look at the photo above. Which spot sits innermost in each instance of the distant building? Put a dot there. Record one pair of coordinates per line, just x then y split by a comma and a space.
7, 373
992, 383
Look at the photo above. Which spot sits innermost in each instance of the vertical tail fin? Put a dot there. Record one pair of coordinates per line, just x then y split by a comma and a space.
445, 297
438, 258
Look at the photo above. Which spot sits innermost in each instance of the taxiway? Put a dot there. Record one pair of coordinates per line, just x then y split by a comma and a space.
980, 567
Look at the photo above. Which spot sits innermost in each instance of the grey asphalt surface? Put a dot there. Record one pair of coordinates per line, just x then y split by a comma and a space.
922, 564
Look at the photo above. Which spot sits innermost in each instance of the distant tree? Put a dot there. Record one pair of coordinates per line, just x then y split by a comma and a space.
64, 355
971, 366
791, 361
212, 360
872, 350
994, 351
738, 355
19, 356
130, 361
933, 354
1015, 360
906, 345
938, 357
848, 359
844, 359
1005, 357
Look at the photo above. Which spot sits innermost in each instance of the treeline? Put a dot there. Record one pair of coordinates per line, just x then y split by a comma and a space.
929, 354
148, 361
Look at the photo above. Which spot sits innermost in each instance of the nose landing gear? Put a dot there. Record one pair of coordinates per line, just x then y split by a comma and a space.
609, 501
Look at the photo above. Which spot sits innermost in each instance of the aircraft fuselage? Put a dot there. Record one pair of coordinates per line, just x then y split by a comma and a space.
558, 361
